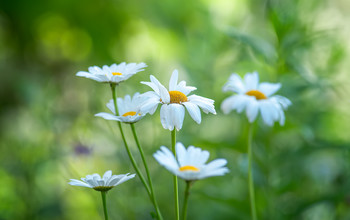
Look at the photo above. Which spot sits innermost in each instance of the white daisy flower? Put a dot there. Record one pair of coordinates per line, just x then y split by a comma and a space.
253, 97
190, 164
107, 182
114, 73
174, 102
128, 109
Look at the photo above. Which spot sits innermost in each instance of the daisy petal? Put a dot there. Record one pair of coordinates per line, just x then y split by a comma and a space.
177, 115
234, 84
107, 116
165, 117
181, 154
251, 81
252, 110
166, 158
173, 80
74, 182
269, 88
207, 105
194, 111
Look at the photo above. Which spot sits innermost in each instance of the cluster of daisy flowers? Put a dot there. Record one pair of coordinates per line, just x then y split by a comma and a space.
188, 164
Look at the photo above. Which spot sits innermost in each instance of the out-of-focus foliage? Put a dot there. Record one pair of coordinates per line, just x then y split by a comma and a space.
49, 134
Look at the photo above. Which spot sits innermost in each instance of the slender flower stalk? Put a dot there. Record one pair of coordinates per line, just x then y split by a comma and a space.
250, 173
187, 194
126, 144
176, 188
154, 201
103, 194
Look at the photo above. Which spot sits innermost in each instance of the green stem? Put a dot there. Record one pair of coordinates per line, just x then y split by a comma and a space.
147, 172
103, 194
250, 173
176, 194
126, 144
187, 194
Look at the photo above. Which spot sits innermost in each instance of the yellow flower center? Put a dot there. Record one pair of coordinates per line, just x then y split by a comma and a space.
117, 74
257, 94
129, 114
188, 168
177, 97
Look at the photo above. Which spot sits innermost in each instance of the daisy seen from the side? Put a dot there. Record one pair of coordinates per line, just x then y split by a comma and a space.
190, 164
174, 101
113, 74
104, 183
255, 97
128, 109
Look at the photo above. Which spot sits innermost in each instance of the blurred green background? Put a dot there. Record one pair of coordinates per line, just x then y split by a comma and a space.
48, 132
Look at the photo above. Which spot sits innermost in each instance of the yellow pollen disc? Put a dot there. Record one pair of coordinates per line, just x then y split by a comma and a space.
257, 94
189, 168
117, 74
129, 114
177, 97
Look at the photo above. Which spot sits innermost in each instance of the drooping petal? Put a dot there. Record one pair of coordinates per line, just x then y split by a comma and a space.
282, 117
268, 112
177, 115
207, 105
165, 117
194, 111
252, 110
283, 101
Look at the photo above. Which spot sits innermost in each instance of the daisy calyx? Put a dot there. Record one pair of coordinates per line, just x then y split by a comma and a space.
255, 97
106, 183
128, 109
190, 164
113, 74
174, 101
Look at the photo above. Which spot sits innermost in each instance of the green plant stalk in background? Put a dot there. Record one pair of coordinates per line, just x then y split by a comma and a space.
126, 145
187, 194
154, 201
176, 188
250, 173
